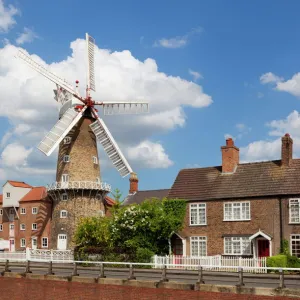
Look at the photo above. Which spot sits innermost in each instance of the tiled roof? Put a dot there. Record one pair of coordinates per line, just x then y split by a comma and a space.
37, 193
249, 180
19, 184
110, 201
140, 196
1, 199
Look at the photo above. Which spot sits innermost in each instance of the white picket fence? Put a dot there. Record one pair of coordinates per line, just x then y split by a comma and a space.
42, 255
213, 263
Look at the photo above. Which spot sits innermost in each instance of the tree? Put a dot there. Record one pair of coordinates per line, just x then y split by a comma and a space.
117, 195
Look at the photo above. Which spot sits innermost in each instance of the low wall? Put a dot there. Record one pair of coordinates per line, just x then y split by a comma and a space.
38, 287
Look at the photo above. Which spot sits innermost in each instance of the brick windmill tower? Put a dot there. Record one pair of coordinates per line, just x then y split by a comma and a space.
78, 190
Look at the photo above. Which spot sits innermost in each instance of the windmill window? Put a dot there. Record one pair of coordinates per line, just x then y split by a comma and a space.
63, 214
95, 160
66, 158
65, 177
64, 196
67, 140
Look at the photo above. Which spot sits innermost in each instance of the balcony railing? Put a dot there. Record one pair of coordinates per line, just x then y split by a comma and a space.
86, 185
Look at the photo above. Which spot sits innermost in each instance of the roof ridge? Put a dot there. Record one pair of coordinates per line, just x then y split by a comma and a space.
154, 190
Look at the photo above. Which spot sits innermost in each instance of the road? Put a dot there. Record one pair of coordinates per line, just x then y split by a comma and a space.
186, 276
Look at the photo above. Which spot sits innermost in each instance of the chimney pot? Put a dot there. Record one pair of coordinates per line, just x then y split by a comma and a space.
286, 150
134, 181
230, 156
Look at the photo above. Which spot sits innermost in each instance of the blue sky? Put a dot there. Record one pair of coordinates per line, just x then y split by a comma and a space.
243, 55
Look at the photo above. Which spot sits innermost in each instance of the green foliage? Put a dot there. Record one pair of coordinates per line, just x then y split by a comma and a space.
285, 249
277, 261
117, 195
293, 261
133, 233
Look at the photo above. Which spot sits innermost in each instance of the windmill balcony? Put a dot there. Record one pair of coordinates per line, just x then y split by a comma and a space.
74, 185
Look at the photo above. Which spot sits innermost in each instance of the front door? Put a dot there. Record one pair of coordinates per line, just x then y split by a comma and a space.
62, 242
263, 248
12, 245
34, 243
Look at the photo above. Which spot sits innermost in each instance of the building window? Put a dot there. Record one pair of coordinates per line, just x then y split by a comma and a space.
66, 158
98, 179
67, 140
7, 195
22, 226
95, 160
1, 227
65, 177
11, 226
198, 246
23, 210
34, 210
198, 214
1, 211
44, 242
295, 245
22, 242
34, 226
63, 214
237, 246
236, 211
294, 211
64, 196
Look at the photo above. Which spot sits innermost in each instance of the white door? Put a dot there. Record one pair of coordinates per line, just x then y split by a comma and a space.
12, 245
34, 243
11, 214
62, 242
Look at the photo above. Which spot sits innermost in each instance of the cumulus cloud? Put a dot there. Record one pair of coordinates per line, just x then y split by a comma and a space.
27, 36
7, 15
178, 41
195, 75
119, 76
270, 78
15, 155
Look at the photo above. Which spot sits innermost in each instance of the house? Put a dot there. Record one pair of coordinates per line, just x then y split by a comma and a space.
243, 209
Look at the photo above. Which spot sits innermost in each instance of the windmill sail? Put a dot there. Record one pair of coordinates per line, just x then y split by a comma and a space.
60, 130
91, 68
124, 108
110, 146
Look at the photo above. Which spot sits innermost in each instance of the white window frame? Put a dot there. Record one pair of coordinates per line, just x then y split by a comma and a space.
1, 227
32, 226
46, 239
63, 214
200, 240
23, 211
295, 238
22, 227
22, 242
11, 226
239, 239
296, 203
199, 207
67, 140
95, 160
8, 195
238, 205
66, 158
34, 210
65, 178
63, 195
1, 211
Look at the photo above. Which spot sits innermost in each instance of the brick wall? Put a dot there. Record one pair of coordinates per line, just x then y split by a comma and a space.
24, 289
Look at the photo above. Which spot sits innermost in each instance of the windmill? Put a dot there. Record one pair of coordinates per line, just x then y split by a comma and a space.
78, 187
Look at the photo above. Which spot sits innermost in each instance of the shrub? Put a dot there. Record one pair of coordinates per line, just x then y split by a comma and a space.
285, 249
144, 255
277, 261
293, 261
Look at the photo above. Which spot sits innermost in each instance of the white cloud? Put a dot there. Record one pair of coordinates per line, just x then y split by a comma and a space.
7, 16
195, 75
27, 36
32, 110
15, 155
178, 41
270, 78
150, 154
228, 136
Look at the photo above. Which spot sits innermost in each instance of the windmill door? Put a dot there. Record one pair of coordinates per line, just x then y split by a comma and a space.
62, 242
64, 180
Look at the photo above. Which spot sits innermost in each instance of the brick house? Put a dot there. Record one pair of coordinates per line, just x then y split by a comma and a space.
244, 209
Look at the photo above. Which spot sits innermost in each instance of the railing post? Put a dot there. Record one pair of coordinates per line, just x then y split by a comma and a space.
75, 273
27, 253
51, 255
164, 274
50, 272
241, 277
27, 269
101, 271
281, 279
131, 273
6, 268
200, 275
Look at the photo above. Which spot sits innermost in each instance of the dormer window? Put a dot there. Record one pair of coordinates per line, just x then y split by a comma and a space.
67, 140
95, 160
7, 195
66, 158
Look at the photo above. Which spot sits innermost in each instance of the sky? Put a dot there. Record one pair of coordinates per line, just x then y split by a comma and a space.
209, 70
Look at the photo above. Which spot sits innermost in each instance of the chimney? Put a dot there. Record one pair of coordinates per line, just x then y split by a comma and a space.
286, 150
230, 156
133, 183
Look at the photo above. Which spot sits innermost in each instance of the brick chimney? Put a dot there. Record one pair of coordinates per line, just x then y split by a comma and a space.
134, 181
230, 156
286, 150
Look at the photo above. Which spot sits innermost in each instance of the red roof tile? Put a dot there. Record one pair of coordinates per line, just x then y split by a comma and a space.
37, 193
19, 184
110, 201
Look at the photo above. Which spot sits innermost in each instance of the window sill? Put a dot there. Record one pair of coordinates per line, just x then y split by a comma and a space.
195, 225
294, 223
244, 220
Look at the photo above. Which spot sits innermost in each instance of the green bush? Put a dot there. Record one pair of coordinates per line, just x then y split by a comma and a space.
144, 255
285, 249
293, 262
277, 261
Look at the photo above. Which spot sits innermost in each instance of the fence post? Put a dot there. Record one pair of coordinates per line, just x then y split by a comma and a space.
164, 274
131, 273
200, 275
241, 277
27, 253
75, 273
281, 279
6, 268
50, 272
101, 271
27, 269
